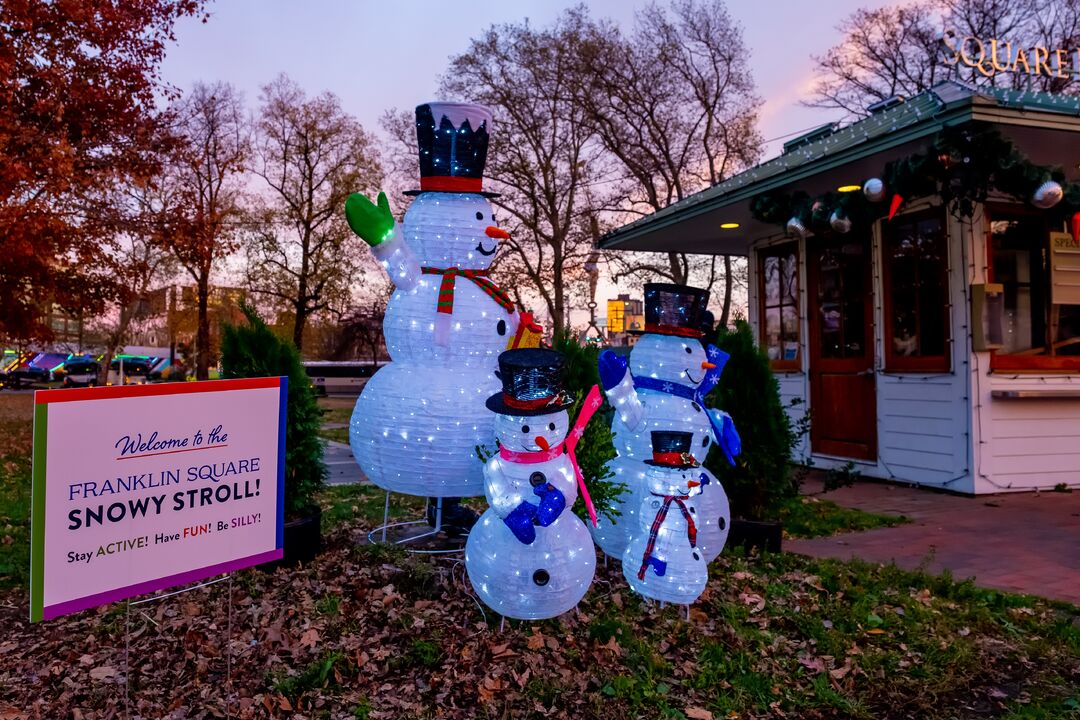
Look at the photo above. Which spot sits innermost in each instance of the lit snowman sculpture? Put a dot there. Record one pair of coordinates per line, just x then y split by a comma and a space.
419, 419
664, 388
529, 556
662, 559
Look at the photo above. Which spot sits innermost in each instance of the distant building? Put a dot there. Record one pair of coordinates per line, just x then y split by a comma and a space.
168, 317
623, 315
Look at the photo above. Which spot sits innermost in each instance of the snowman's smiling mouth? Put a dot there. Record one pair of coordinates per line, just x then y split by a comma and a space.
480, 248
691, 377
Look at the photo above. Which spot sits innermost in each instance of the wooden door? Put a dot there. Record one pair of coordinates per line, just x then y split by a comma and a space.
843, 400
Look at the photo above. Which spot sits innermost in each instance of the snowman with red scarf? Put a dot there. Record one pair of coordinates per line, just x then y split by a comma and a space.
663, 387
419, 419
662, 560
529, 556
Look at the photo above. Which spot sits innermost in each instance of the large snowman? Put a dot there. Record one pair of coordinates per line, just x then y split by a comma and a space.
663, 559
418, 422
663, 389
529, 557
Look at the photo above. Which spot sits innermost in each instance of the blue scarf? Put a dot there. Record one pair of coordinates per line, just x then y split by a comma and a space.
723, 428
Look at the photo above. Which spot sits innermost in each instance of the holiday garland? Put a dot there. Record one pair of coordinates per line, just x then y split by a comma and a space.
963, 165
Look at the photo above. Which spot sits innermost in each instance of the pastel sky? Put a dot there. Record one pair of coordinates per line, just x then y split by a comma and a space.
377, 55
381, 55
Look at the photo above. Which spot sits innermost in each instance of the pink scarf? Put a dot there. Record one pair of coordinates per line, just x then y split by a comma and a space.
592, 403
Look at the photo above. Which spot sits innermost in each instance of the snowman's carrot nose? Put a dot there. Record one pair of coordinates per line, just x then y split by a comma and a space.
692, 483
706, 365
493, 232
542, 443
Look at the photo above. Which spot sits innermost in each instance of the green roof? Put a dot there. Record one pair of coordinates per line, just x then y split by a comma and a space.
923, 115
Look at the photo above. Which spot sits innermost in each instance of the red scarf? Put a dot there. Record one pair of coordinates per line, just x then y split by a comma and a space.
588, 409
479, 278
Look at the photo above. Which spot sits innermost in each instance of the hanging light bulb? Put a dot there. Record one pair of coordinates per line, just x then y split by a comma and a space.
795, 228
839, 222
874, 190
1047, 195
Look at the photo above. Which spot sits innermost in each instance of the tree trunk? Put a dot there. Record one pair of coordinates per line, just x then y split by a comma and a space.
298, 326
678, 275
202, 335
725, 310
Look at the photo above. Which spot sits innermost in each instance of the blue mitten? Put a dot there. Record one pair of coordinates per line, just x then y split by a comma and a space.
659, 566
730, 442
552, 503
612, 369
520, 522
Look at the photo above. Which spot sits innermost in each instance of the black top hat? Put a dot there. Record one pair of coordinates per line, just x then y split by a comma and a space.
671, 449
452, 139
532, 381
674, 310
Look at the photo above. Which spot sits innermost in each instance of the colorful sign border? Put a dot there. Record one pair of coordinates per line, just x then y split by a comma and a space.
44, 398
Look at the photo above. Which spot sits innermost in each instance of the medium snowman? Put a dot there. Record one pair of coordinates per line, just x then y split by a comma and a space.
529, 556
663, 388
418, 421
662, 559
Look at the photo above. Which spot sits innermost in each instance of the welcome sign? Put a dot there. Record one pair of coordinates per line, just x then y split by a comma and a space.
140, 488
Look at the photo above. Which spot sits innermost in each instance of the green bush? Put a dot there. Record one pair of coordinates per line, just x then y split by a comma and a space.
253, 350
763, 477
596, 448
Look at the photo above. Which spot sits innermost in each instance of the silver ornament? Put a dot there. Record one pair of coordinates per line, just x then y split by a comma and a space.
1047, 195
874, 190
839, 223
796, 228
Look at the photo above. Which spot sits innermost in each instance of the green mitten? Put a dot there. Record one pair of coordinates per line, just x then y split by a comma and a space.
373, 223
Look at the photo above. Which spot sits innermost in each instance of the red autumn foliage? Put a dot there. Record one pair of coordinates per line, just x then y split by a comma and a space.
78, 84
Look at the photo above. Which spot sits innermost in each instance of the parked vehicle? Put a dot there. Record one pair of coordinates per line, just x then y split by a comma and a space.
340, 378
81, 372
136, 370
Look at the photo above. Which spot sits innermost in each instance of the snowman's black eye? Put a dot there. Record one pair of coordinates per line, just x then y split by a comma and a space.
479, 216
688, 351
705, 441
500, 327
551, 426
524, 428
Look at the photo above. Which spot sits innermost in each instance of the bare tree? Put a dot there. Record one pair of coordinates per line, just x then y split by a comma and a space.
674, 104
543, 155
311, 154
897, 50
140, 260
201, 222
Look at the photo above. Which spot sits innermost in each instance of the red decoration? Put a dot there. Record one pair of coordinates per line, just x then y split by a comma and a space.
894, 206
1076, 227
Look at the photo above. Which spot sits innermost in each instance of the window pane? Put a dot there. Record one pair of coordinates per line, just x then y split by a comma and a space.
772, 280
772, 333
1067, 331
789, 289
918, 294
1016, 250
789, 319
841, 298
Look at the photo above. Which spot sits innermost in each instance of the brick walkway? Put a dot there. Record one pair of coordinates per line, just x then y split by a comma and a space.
1028, 543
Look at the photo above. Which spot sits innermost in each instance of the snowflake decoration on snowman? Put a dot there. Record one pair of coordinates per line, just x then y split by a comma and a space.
663, 388
529, 556
418, 421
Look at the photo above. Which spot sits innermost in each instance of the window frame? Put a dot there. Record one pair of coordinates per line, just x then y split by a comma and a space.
1012, 362
895, 363
780, 250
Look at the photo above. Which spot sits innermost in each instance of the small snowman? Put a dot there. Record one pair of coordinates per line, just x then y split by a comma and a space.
663, 388
530, 557
662, 560
416, 425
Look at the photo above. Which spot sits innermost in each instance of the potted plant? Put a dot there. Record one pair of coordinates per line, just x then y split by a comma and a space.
253, 350
764, 477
